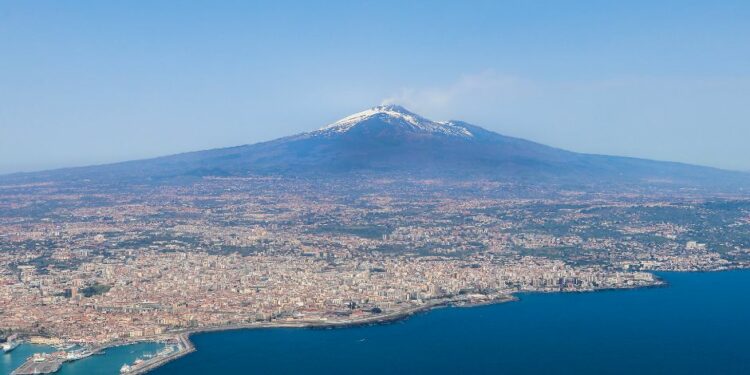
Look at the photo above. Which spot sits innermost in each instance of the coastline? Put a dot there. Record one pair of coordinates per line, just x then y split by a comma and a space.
188, 347
185, 345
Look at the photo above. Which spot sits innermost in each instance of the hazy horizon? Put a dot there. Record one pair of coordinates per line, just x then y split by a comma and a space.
92, 83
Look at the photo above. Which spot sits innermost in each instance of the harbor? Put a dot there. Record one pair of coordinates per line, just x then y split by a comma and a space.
182, 346
47, 363
65, 359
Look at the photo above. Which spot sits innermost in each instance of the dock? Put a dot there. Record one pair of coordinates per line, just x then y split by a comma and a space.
47, 363
31, 367
184, 347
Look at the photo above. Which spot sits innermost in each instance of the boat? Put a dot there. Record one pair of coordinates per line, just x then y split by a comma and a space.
78, 354
9, 346
166, 351
125, 369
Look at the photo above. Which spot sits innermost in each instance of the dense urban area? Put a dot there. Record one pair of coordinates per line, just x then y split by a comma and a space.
95, 265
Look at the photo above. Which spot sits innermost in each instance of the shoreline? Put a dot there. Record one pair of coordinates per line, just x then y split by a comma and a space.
387, 318
186, 346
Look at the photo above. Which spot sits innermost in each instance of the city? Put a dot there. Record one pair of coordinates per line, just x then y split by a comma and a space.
374, 187
96, 268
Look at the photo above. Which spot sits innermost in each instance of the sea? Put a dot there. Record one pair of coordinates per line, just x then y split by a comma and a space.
698, 324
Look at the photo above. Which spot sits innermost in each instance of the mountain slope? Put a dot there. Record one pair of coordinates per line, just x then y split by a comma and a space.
390, 139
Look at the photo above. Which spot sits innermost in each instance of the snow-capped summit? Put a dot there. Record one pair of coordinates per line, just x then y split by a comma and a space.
396, 116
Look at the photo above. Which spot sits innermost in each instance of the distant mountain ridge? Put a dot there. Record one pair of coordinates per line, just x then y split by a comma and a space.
392, 140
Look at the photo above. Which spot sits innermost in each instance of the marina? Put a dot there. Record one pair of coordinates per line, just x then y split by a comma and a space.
89, 360
182, 346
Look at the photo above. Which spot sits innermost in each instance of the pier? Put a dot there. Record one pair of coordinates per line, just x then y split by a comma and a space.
184, 347
44, 363
32, 367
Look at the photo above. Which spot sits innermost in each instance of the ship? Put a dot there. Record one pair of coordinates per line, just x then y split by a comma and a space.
166, 351
78, 354
9, 346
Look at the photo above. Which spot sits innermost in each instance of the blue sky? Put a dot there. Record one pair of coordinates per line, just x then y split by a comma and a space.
93, 82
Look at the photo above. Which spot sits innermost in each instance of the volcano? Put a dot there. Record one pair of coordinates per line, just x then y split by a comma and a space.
391, 140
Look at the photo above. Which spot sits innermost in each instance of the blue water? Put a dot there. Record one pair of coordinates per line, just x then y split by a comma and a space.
698, 325
107, 364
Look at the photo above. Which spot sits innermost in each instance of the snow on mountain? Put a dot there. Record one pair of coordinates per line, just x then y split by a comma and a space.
396, 116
